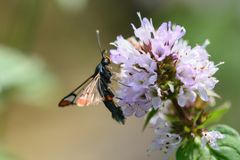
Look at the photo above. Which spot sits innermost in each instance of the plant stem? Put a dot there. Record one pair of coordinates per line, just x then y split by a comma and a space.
181, 112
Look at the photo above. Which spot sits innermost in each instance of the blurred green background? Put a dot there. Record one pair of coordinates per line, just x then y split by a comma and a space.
47, 47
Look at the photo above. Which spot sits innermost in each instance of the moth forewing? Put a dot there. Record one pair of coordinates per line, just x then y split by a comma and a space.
89, 95
68, 100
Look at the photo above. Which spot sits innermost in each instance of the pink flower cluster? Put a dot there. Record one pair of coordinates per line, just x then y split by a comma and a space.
140, 58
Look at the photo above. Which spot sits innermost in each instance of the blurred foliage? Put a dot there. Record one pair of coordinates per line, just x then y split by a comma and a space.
72, 5
25, 77
22, 24
4, 155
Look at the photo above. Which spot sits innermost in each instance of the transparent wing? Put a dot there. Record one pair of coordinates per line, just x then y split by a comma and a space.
89, 95
84, 95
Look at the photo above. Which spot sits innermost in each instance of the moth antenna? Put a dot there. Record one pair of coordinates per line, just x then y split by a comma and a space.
99, 42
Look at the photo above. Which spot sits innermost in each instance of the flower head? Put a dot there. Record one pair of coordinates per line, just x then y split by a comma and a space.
157, 65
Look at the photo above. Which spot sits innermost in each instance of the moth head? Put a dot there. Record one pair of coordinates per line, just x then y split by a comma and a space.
105, 59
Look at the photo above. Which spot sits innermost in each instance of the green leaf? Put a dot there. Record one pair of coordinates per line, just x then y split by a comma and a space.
192, 150
217, 114
229, 147
149, 117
